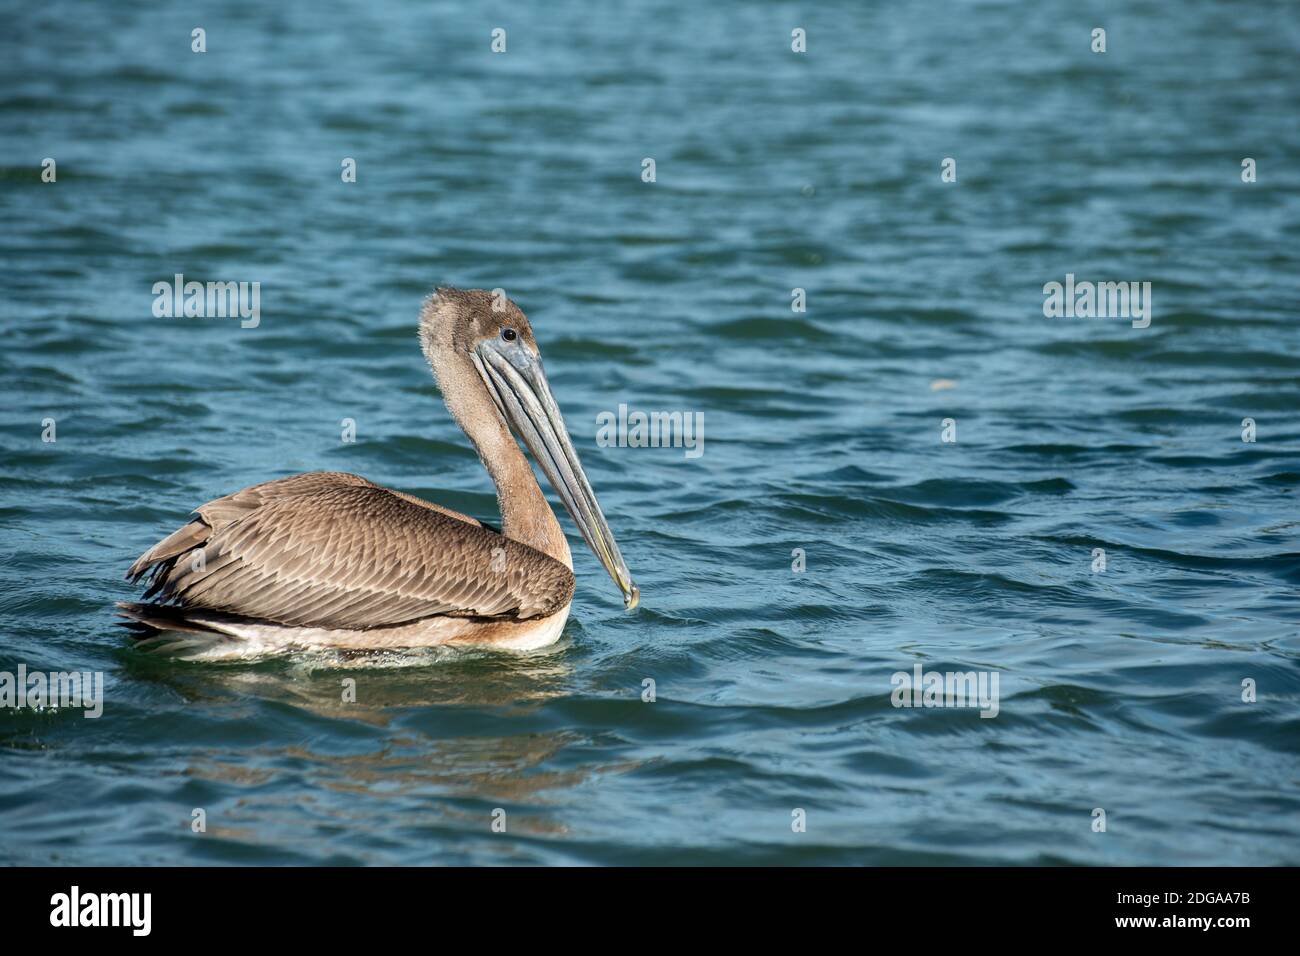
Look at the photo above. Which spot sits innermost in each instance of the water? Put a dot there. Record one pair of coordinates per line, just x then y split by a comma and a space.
1119, 690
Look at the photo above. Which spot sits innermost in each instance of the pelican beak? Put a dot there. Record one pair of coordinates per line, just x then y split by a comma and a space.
518, 385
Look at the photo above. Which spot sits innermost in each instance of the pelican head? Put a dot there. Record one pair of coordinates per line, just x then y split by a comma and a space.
480, 347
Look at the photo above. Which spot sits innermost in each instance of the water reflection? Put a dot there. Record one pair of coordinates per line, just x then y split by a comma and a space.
441, 714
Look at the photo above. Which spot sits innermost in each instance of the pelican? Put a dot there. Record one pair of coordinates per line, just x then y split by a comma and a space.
329, 559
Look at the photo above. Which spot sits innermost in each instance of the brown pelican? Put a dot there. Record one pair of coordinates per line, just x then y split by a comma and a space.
328, 559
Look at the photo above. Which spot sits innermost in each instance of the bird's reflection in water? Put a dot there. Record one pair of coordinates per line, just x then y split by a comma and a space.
445, 736
371, 686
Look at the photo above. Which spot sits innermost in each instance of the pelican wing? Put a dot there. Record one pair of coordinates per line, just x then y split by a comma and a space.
337, 551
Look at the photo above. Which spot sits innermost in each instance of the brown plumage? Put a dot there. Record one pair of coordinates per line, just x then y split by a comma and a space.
330, 558
334, 550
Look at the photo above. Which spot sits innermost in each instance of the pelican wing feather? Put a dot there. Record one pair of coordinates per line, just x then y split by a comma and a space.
334, 550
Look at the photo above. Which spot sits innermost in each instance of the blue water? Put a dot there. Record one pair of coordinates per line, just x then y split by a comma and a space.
1120, 690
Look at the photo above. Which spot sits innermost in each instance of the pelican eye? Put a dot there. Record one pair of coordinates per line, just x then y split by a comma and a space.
509, 334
